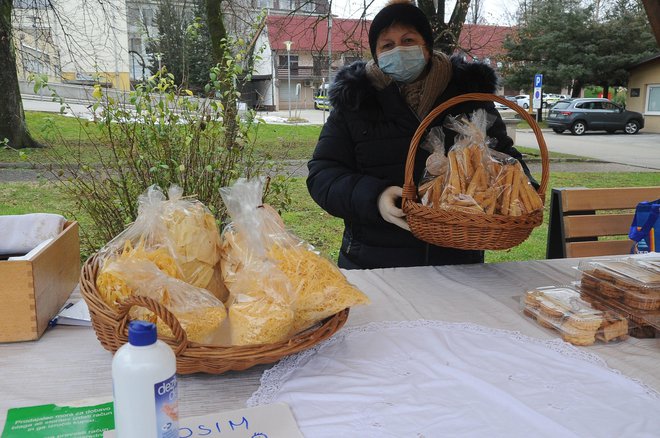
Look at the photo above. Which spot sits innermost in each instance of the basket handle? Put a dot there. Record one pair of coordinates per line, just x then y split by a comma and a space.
409, 188
180, 342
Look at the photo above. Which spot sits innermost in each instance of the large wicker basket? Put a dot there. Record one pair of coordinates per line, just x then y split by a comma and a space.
112, 331
463, 230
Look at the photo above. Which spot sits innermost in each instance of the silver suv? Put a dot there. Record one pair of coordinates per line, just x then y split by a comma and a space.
581, 115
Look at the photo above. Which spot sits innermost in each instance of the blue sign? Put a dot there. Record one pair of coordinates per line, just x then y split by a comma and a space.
538, 80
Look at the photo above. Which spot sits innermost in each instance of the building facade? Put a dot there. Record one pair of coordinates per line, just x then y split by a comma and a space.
644, 91
72, 41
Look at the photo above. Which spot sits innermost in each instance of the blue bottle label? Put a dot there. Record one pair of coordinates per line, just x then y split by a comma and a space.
167, 408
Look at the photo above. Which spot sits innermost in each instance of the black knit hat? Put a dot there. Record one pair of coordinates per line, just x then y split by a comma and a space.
400, 13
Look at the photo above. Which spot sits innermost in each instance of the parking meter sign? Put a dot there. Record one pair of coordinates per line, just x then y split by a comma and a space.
538, 84
538, 80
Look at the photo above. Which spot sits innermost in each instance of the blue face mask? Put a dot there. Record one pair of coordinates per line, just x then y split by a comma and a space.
403, 63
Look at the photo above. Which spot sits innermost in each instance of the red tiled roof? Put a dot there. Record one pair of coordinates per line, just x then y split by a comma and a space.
311, 33
484, 41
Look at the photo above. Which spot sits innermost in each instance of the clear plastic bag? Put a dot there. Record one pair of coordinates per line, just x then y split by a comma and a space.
197, 310
179, 234
257, 239
477, 179
261, 309
435, 170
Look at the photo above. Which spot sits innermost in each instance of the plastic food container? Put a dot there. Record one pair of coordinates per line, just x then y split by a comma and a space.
562, 309
636, 284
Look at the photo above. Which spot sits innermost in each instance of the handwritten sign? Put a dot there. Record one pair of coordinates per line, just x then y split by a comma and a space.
268, 421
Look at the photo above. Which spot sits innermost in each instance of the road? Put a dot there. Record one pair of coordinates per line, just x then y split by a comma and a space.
641, 150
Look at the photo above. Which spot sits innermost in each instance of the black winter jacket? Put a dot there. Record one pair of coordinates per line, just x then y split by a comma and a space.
362, 150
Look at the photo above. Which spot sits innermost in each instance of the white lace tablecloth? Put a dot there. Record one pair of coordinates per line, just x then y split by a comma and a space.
431, 379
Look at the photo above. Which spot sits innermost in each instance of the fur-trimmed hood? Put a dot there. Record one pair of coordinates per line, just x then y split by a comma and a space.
352, 88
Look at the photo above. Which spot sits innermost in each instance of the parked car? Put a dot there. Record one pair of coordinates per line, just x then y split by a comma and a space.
581, 115
321, 100
550, 99
500, 106
522, 100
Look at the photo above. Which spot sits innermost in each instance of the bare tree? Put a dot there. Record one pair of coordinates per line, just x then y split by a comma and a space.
12, 117
475, 12
445, 33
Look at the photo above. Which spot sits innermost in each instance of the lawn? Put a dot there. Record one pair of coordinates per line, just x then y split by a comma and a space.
281, 142
323, 231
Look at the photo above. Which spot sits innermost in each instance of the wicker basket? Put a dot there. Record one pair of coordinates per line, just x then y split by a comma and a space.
463, 230
112, 331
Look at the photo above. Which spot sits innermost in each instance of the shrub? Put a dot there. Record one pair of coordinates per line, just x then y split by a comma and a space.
161, 134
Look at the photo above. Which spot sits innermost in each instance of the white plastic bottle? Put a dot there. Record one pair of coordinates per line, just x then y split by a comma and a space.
144, 386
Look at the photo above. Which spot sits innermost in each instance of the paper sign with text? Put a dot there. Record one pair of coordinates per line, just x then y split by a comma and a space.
59, 421
268, 421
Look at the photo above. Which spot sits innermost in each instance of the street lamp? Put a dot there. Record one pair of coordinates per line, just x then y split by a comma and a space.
159, 57
288, 67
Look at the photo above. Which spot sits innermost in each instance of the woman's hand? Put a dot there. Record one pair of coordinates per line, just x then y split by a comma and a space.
388, 209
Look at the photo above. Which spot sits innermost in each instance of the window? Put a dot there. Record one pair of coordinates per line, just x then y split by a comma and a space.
610, 106
308, 5
148, 17
283, 61
653, 100
285, 5
133, 17
135, 44
320, 64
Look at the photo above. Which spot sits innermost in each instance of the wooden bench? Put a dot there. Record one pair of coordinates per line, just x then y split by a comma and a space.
580, 217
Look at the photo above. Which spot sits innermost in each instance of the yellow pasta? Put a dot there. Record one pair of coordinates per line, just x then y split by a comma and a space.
320, 288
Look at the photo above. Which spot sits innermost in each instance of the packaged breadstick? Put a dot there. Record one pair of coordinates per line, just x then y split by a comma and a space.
468, 186
517, 195
478, 179
257, 240
435, 172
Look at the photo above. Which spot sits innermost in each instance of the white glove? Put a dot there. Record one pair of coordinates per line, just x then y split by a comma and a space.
388, 209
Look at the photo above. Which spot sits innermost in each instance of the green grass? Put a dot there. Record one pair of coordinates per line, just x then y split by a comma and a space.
287, 142
304, 217
309, 222
279, 142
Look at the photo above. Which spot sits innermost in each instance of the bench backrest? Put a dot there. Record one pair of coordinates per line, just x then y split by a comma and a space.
580, 216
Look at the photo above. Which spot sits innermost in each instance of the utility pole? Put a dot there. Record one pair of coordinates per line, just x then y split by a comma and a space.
329, 47
288, 68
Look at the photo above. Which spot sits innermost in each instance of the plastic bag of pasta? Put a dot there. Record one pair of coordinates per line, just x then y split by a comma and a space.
257, 232
197, 310
178, 234
261, 305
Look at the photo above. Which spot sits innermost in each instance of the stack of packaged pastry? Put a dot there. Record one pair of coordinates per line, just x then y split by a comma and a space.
472, 178
563, 310
632, 282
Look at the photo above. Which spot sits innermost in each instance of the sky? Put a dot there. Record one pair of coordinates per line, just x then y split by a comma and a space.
494, 11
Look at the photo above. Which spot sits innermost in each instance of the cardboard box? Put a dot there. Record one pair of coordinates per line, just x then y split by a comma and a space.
33, 291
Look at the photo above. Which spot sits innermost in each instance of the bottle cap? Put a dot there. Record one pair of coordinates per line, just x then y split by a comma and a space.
141, 333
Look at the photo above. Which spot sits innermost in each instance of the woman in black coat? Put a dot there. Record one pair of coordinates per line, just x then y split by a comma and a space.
357, 169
